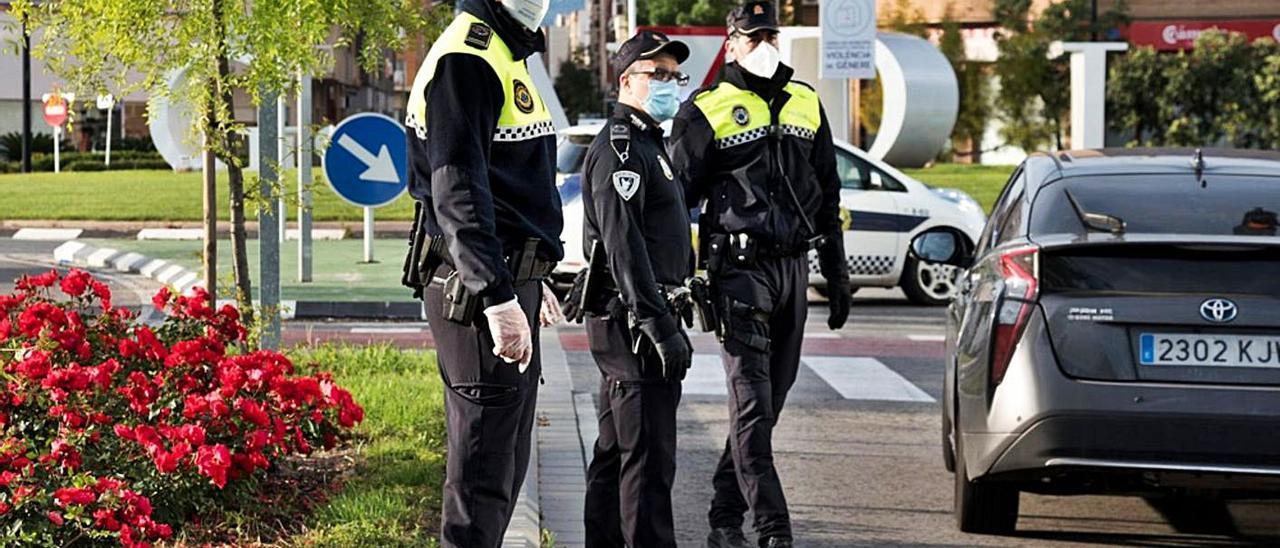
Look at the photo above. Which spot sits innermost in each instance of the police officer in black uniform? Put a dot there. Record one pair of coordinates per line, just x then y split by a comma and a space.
482, 168
755, 151
635, 209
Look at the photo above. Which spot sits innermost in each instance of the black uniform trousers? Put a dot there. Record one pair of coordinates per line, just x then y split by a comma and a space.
629, 480
489, 410
767, 308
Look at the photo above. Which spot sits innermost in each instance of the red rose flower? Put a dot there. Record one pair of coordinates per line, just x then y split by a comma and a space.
56, 518
213, 461
78, 496
75, 283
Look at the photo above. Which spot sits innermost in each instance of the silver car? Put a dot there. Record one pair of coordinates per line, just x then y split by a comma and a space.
1117, 331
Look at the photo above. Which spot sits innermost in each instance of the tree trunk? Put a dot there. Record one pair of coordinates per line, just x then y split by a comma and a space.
235, 178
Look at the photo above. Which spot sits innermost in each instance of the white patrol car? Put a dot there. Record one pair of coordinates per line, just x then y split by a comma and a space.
883, 210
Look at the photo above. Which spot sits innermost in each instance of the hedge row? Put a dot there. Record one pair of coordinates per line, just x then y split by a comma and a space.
91, 161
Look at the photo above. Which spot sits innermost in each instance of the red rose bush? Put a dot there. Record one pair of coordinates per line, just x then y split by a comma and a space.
112, 431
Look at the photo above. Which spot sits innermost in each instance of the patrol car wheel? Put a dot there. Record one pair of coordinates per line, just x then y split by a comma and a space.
928, 283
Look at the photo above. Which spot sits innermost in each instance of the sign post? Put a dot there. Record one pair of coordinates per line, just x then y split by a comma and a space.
55, 114
268, 240
365, 164
108, 103
304, 178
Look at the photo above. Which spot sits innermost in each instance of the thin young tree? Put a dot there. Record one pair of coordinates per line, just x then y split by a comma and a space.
257, 46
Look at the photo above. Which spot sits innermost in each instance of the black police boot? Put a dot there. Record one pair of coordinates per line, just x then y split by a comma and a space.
777, 542
727, 537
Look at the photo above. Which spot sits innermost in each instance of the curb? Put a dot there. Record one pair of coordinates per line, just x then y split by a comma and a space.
77, 253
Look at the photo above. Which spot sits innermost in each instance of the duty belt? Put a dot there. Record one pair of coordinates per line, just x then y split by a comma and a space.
760, 248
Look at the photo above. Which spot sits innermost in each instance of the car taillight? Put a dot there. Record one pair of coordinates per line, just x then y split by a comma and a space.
1021, 271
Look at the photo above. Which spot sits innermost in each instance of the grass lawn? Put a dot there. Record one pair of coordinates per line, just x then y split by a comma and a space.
393, 496
154, 196
337, 271
982, 182
168, 196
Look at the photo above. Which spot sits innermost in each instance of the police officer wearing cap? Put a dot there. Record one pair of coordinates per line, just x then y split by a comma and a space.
635, 209
482, 168
755, 152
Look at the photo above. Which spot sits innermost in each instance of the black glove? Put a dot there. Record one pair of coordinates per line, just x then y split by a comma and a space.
839, 300
672, 346
831, 261
676, 353
572, 305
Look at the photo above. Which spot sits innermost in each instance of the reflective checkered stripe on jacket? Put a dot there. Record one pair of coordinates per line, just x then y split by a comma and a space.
739, 116
524, 114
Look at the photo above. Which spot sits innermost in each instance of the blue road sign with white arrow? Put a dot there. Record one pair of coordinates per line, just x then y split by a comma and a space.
366, 160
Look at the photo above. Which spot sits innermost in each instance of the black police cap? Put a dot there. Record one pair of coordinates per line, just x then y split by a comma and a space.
751, 17
647, 44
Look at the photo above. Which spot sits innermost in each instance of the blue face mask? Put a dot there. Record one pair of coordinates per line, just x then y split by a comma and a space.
663, 100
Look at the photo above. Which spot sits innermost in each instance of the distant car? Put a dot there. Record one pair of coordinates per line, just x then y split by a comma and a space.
885, 209
1117, 332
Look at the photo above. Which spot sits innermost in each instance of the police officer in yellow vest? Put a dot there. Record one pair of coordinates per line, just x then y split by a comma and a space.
755, 151
482, 155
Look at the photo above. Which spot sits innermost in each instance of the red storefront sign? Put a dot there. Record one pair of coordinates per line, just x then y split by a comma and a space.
1177, 35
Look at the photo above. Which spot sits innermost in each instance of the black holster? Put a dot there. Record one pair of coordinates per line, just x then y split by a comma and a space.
462, 306
426, 254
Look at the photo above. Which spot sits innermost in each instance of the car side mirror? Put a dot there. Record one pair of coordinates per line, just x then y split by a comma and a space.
942, 245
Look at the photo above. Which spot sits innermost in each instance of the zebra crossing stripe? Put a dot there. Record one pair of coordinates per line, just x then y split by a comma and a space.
853, 378
865, 379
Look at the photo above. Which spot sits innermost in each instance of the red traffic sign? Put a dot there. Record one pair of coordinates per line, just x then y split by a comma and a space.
55, 110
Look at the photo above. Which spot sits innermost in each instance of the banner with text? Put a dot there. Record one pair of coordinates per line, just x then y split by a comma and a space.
848, 39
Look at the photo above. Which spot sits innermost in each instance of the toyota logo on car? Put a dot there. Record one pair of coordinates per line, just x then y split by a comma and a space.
1218, 310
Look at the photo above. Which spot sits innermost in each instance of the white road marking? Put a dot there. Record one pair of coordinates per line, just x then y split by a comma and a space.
865, 379
384, 330
706, 377
927, 338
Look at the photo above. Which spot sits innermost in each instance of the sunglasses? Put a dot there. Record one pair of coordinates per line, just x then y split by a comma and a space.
664, 75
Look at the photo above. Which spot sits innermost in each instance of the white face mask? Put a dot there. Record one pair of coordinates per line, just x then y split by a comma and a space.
528, 13
762, 61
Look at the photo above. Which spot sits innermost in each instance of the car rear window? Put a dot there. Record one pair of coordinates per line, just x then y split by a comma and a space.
1162, 268
1163, 204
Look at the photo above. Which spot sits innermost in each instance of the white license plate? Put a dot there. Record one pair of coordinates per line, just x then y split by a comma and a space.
1185, 349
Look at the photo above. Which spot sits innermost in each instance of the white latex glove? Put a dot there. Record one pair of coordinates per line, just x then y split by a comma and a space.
550, 314
509, 327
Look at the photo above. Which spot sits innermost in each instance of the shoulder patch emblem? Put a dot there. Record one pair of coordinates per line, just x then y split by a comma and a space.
626, 182
524, 99
478, 36
666, 168
741, 116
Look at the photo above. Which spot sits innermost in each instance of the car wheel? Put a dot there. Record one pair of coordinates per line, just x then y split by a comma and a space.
983, 508
928, 283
